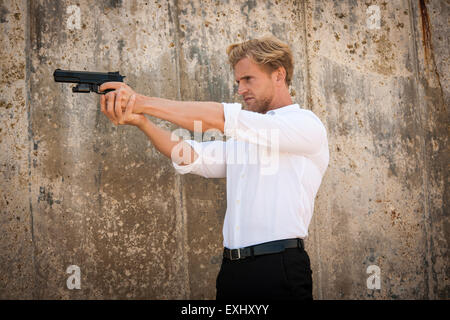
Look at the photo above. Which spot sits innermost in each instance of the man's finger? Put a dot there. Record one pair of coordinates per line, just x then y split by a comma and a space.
104, 107
102, 104
110, 106
118, 106
110, 85
130, 106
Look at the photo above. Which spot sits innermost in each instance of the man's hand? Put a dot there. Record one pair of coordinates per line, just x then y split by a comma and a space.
111, 106
122, 91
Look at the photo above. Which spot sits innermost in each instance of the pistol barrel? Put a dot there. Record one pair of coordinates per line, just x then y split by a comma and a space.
87, 81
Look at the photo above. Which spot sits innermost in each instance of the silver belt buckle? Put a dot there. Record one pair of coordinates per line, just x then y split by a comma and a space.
238, 255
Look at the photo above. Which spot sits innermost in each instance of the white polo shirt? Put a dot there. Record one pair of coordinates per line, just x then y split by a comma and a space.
274, 164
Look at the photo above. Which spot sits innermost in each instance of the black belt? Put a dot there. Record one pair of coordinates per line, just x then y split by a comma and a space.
264, 248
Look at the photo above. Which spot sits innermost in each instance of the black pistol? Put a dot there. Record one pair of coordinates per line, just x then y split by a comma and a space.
87, 81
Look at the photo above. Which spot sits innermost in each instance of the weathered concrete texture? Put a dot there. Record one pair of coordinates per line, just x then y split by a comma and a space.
434, 95
16, 247
76, 190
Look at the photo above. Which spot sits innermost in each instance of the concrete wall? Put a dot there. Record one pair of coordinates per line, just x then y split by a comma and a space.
76, 190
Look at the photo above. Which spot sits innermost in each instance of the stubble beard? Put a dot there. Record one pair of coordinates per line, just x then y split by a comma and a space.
260, 105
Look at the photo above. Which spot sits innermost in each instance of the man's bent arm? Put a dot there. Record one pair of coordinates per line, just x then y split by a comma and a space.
183, 113
161, 139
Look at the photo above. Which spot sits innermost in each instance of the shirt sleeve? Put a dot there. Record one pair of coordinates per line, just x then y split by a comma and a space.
211, 161
299, 132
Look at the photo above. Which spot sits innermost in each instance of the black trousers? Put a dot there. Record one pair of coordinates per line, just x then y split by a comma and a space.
279, 276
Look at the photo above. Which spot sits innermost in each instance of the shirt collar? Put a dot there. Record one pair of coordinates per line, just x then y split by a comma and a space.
281, 110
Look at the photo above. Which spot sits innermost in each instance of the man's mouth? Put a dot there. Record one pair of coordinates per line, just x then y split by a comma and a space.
247, 99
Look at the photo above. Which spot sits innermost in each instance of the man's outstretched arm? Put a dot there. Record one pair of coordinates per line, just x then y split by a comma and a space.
179, 151
181, 113
206, 159
184, 113
162, 140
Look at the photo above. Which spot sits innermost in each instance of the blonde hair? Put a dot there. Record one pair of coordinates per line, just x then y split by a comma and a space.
268, 52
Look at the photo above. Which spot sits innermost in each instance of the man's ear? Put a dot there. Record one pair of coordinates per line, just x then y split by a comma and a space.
280, 74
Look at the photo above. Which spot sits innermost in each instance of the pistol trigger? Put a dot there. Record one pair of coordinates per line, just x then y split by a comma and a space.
106, 91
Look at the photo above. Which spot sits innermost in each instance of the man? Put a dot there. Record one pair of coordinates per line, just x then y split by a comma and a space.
268, 210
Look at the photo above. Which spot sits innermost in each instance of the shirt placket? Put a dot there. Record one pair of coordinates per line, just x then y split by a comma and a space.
241, 176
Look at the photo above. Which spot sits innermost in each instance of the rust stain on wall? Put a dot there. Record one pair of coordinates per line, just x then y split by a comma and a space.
426, 31
427, 43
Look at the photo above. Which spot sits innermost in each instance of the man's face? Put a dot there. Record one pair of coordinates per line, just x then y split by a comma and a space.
256, 86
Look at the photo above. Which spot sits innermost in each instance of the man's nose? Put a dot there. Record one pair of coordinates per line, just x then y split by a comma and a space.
242, 89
